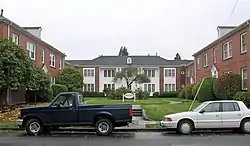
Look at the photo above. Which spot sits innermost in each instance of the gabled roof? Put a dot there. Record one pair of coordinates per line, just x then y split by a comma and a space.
136, 60
21, 29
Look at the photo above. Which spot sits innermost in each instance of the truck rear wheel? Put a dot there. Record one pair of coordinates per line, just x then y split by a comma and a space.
104, 127
33, 127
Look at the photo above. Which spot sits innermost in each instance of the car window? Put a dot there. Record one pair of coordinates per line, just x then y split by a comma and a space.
64, 100
212, 107
230, 106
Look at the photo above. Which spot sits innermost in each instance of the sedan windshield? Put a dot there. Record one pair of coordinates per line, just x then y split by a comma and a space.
199, 107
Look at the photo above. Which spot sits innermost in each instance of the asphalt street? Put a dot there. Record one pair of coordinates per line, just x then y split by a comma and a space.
124, 139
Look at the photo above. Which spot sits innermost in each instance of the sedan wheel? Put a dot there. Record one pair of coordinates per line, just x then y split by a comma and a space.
185, 127
245, 126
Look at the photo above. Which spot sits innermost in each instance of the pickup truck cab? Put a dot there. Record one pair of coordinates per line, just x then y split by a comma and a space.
69, 109
224, 114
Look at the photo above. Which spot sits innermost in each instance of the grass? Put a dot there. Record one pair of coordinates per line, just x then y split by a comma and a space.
155, 108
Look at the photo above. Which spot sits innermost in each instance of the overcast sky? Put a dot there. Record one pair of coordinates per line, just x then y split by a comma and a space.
84, 29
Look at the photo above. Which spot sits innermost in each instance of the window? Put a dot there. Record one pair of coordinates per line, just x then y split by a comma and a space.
129, 60
149, 72
244, 78
52, 59
227, 50
243, 42
188, 73
170, 87
43, 56
64, 100
149, 87
31, 50
89, 72
212, 107
215, 55
169, 72
15, 38
109, 86
198, 63
89, 87
109, 73
52, 80
205, 60
230, 106
60, 63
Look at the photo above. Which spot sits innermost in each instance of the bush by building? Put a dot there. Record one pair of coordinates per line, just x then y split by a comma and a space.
58, 88
188, 91
206, 91
243, 96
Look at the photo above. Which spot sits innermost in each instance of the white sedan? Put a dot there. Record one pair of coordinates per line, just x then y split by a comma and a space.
223, 114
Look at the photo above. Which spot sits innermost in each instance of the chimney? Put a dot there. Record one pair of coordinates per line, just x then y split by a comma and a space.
223, 30
1, 12
36, 31
156, 53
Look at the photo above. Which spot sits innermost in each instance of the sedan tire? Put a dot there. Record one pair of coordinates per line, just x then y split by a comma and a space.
185, 127
104, 127
33, 127
245, 126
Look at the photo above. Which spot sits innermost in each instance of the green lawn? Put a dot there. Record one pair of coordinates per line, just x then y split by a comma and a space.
155, 108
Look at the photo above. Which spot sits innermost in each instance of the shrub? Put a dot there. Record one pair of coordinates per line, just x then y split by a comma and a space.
227, 85
92, 94
206, 91
141, 94
195, 89
188, 91
156, 94
58, 88
182, 93
243, 96
169, 94
120, 91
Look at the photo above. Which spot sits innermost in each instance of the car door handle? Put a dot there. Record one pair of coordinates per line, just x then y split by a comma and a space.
238, 114
217, 115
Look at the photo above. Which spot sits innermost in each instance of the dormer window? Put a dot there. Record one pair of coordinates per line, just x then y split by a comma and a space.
129, 60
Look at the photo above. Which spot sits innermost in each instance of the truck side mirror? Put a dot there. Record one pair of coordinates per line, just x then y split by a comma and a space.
57, 105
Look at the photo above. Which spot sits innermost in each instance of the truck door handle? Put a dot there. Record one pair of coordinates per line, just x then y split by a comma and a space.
72, 108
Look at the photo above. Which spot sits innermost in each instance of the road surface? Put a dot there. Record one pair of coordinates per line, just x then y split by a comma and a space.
124, 139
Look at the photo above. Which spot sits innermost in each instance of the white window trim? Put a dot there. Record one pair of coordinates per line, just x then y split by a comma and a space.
215, 55
60, 63
227, 49
53, 80
30, 50
242, 78
90, 72
167, 70
15, 38
51, 61
198, 63
241, 44
172, 89
205, 60
43, 56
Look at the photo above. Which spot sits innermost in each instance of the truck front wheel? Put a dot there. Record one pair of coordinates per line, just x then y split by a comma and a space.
33, 127
104, 127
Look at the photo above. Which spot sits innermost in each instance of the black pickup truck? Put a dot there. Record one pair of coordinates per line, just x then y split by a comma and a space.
69, 109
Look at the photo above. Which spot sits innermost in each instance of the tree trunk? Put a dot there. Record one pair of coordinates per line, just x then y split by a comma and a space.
4, 96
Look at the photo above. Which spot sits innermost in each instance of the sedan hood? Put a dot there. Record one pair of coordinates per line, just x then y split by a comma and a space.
181, 114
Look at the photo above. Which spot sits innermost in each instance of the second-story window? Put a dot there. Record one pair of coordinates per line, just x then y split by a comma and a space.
31, 50
169, 72
227, 50
149, 72
89, 72
60, 63
43, 56
243, 42
205, 60
109, 73
198, 63
52, 60
15, 38
215, 55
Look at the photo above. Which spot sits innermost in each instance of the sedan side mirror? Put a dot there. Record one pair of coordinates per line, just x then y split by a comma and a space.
202, 111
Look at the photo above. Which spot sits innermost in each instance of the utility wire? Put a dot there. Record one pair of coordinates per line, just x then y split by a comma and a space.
236, 2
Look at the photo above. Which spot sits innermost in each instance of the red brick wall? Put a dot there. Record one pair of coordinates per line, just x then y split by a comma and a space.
3, 29
161, 80
97, 82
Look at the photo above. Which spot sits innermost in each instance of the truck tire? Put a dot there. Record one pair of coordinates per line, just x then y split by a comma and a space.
245, 126
104, 127
185, 127
33, 127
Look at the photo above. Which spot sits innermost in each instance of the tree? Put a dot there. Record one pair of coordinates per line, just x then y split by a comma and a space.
131, 75
15, 66
123, 51
71, 78
177, 57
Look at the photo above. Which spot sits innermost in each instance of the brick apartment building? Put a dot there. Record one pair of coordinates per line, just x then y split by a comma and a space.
45, 56
227, 54
165, 75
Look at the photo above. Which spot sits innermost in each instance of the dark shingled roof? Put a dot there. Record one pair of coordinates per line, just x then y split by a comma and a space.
121, 60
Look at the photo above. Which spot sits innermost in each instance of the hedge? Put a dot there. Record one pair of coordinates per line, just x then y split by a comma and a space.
243, 96
227, 85
188, 91
169, 94
182, 93
58, 88
92, 94
206, 91
195, 89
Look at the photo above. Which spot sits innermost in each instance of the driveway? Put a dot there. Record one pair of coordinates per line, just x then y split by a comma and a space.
124, 139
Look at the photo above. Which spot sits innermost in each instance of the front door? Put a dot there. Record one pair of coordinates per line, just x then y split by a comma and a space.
63, 111
231, 115
209, 116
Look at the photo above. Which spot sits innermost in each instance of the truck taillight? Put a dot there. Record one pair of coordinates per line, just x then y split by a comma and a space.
131, 111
